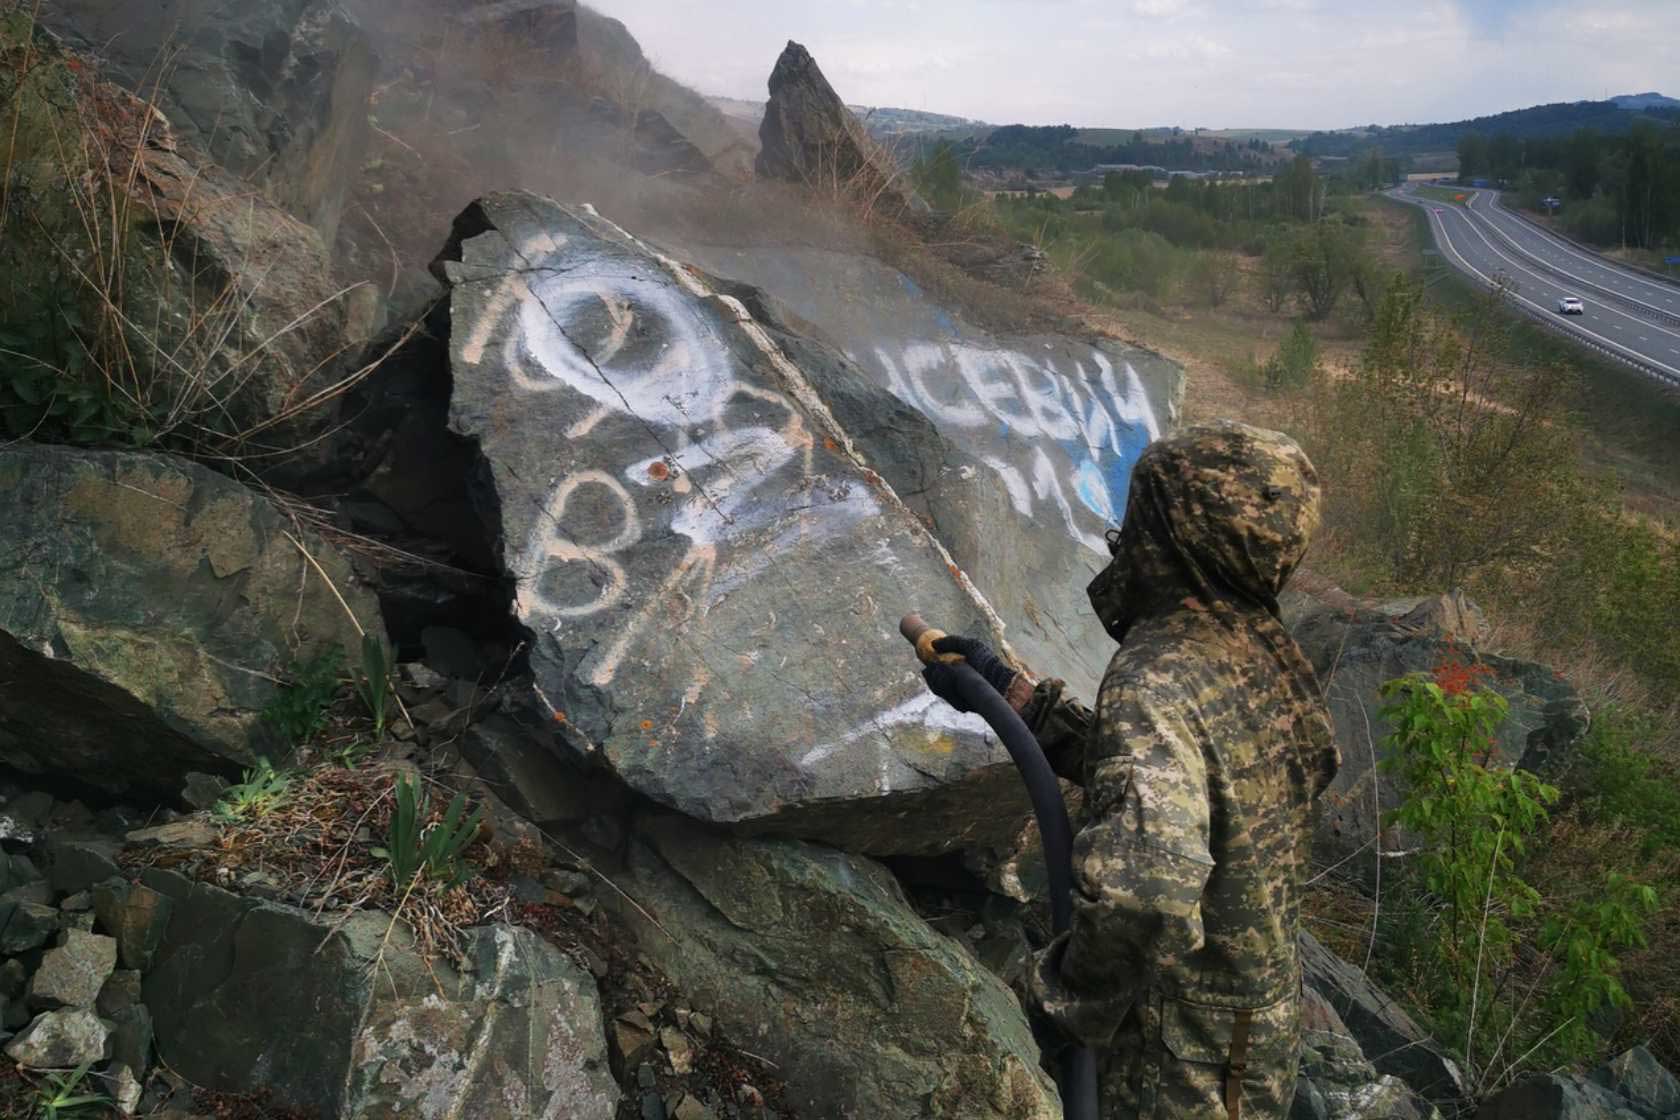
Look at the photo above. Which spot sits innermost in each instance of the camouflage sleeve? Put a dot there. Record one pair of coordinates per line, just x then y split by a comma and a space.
1139, 868
1062, 725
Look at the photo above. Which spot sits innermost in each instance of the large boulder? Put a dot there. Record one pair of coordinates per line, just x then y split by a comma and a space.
809, 137
1017, 448
710, 575
813, 959
211, 318
1357, 647
336, 1019
274, 92
148, 606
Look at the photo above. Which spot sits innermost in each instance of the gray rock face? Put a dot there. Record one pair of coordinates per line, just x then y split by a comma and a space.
72, 974
518, 1034
1016, 448
146, 606
1395, 1044
1637, 1077
277, 92
26, 925
809, 136
1556, 1097
1337, 1082
134, 914
1356, 649
814, 959
710, 576
60, 1040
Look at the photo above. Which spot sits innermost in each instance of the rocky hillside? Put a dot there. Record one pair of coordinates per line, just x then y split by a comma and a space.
448, 651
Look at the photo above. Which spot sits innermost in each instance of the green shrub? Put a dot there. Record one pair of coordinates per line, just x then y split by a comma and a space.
1506, 976
412, 848
1296, 362
299, 709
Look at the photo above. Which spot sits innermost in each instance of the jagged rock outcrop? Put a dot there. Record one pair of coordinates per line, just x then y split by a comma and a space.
1337, 1080
813, 959
1356, 648
810, 137
710, 575
336, 1019
211, 310
275, 92
148, 608
1390, 1040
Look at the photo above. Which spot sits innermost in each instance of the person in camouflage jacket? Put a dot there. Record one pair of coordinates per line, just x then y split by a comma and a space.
1209, 743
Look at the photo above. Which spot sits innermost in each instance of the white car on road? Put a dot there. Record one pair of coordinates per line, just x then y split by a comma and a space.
1571, 305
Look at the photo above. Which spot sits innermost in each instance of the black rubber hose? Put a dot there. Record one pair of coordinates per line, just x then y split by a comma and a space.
1078, 1077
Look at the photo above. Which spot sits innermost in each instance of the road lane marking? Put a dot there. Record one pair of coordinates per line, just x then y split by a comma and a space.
1672, 372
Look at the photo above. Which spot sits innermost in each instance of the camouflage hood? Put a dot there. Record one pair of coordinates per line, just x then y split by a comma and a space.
1217, 520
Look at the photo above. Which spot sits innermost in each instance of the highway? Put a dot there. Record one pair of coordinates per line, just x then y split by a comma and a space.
1629, 316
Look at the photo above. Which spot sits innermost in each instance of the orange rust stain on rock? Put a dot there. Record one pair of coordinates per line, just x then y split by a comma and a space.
828, 443
658, 471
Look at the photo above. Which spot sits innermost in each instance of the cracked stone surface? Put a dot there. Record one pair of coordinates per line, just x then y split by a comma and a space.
711, 575
814, 959
147, 607
517, 1033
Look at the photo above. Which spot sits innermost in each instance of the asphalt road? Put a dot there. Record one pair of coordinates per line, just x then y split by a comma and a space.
1628, 315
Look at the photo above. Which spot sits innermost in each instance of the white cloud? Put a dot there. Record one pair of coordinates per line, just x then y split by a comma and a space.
1218, 63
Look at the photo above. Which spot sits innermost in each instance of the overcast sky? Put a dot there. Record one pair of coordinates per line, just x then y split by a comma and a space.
1212, 63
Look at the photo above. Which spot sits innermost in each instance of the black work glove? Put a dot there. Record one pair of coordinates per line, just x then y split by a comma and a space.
980, 658
943, 679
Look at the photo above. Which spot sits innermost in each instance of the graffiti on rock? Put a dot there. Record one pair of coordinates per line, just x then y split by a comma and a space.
721, 462
1062, 436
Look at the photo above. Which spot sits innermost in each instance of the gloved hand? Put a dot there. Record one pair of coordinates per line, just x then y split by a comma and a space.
980, 658
942, 678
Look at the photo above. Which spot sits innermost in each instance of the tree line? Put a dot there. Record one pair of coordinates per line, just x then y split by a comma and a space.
1057, 148
1616, 189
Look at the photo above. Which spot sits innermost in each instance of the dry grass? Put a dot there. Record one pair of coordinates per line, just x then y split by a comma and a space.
170, 337
316, 850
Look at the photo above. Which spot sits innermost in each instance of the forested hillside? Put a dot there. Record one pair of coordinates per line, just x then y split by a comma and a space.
1553, 120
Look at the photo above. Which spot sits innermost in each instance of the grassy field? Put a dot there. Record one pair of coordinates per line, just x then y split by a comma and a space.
1443, 194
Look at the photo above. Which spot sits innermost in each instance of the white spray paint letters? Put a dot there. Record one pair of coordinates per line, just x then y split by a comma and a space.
716, 459
1062, 437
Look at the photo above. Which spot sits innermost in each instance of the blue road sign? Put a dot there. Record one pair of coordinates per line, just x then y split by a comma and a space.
1671, 260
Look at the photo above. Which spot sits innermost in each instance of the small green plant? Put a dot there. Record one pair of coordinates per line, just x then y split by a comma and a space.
58, 1099
413, 847
374, 683
1296, 361
350, 754
1584, 942
299, 710
261, 792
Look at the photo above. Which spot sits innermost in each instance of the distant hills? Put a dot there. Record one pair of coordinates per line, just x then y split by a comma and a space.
883, 122
1646, 101
1613, 117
